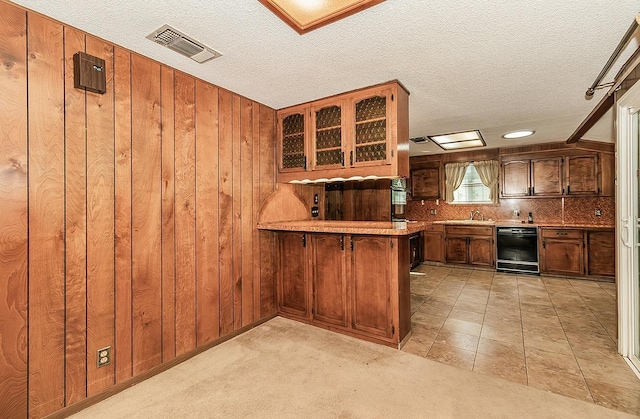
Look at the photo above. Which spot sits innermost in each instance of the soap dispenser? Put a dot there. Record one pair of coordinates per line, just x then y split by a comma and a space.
530, 218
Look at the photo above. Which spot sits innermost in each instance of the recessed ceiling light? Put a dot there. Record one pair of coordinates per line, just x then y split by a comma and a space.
307, 15
458, 140
518, 134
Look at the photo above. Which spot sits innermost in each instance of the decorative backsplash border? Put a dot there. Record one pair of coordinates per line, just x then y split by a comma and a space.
570, 210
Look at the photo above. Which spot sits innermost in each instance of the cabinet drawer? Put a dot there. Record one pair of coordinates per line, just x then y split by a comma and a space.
469, 231
554, 233
435, 227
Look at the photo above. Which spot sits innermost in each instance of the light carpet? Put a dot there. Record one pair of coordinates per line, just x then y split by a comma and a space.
286, 369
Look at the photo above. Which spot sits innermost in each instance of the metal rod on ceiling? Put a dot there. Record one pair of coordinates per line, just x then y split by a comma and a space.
627, 36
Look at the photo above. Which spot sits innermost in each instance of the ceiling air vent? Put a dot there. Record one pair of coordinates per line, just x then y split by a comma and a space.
419, 139
181, 43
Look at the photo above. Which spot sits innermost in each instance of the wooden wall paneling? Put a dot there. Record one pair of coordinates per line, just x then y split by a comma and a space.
267, 185
225, 204
123, 212
246, 159
167, 79
13, 205
237, 215
146, 213
207, 256
185, 232
100, 223
256, 207
46, 215
76, 227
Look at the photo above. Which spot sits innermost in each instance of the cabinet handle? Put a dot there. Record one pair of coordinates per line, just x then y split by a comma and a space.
562, 233
342, 242
304, 239
568, 190
352, 244
351, 158
342, 158
305, 162
533, 190
544, 244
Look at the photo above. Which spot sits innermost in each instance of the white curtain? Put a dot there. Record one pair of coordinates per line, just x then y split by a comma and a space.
454, 174
488, 171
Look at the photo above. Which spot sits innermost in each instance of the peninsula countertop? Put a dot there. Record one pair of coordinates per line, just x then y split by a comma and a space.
381, 228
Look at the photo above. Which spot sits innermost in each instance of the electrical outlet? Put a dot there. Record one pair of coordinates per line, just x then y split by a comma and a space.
433, 212
516, 212
315, 199
598, 213
104, 356
315, 211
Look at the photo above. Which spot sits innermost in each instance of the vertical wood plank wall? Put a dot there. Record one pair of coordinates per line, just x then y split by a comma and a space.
128, 217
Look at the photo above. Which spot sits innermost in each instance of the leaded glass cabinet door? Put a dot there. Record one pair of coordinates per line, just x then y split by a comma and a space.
294, 127
372, 133
328, 135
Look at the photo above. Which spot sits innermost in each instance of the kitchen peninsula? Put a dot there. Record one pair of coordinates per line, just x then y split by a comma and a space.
351, 277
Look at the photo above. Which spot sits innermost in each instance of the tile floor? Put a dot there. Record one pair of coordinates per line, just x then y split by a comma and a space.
551, 333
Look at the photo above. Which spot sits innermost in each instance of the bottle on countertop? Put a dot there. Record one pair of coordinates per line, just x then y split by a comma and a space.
530, 218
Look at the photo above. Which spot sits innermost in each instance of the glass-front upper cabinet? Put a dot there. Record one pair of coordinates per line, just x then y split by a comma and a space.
328, 136
372, 131
293, 127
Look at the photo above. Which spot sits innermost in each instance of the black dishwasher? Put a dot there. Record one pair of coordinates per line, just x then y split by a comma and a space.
517, 249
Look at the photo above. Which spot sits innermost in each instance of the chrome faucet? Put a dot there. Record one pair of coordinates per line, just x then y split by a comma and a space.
476, 213
471, 216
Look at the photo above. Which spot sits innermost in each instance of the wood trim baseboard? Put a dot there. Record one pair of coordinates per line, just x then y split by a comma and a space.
117, 388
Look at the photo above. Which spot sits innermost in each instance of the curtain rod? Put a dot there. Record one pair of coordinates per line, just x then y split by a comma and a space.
627, 36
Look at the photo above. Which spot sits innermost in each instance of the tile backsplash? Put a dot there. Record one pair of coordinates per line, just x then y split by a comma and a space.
570, 210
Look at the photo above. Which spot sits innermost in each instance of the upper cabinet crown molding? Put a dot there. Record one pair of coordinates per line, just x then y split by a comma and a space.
355, 134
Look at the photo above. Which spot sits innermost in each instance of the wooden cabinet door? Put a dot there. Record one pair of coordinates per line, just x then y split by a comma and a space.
425, 183
456, 250
562, 256
293, 134
481, 251
370, 275
372, 128
433, 248
546, 177
582, 175
515, 178
328, 134
601, 253
293, 291
329, 279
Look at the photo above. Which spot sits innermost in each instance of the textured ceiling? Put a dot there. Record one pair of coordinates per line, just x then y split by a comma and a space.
492, 65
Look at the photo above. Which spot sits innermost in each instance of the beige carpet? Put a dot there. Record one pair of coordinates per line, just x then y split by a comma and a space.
285, 369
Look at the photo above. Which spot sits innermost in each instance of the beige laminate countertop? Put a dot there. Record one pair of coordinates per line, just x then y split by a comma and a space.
380, 228
515, 223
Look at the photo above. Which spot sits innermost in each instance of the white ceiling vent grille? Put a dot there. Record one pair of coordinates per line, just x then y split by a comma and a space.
181, 43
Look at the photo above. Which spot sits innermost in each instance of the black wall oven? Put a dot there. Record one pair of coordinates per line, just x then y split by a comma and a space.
517, 249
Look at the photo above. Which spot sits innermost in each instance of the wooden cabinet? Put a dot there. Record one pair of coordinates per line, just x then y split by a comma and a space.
370, 273
329, 278
293, 283
433, 243
293, 139
601, 253
355, 284
546, 177
582, 175
328, 134
425, 181
562, 251
481, 251
470, 245
357, 134
588, 174
515, 178
532, 177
